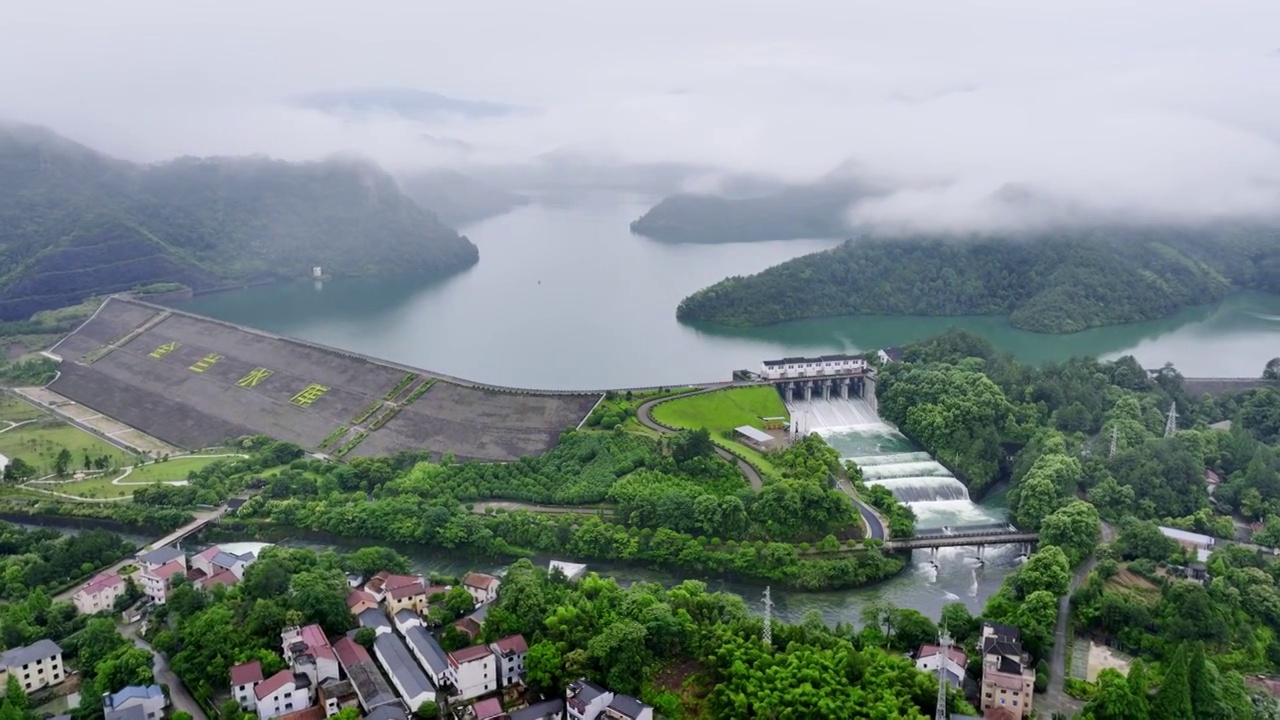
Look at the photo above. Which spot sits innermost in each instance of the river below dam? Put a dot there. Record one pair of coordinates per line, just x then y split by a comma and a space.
565, 297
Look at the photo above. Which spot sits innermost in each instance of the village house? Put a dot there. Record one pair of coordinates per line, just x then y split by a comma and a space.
244, 678
99, 593
481, 587
929, 658
135, 702
283, 693
380, 584
374, 620
215, 560
625, 707
307, 651
337, 695
585, 700
406, 677
409, 596
431, 657
36, 666
406, 619
1199, 545
488, 709
473, 671
158, 568
1008, 680
472, 624
160, 556
371, 689
359, 601
510, 653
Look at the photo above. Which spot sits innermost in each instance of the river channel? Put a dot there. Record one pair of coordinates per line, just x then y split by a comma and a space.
565, 297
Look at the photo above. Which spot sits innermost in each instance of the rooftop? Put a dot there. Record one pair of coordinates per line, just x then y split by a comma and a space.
100, 582
370, 686
38, 650
754, 434
387, 712
373, 618
480, 581
511, 645
429, 648
358, 596
1187, 537
406, 616
401, 592
538, 711
350, 653
273, 683
132, 692
488, 708
160, 555
315, 712
246, 673
955, 654
130, 712
209, 553
627, 705
584, 690
227, 560
401, 666
168, 570
469, 654
225, 578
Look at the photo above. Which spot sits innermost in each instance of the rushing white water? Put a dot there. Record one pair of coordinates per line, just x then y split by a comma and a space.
886, 457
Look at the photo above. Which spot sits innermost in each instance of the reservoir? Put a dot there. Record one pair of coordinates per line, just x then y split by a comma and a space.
565, 297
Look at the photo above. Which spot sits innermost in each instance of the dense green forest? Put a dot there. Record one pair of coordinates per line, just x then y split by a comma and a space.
1054, 282
76, 223
806, 211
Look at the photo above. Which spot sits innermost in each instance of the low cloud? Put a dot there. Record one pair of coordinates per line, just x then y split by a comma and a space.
975, 115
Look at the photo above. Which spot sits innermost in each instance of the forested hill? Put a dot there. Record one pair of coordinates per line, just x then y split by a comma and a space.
76, 223
814, 211
1053, 283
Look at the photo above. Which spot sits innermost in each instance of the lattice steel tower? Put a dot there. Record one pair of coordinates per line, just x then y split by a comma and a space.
944, 655
1171, 421
767, 634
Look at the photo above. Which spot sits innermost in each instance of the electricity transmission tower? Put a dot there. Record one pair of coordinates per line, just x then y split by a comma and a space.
1115, 438
944, 656
1171, 421
767, 634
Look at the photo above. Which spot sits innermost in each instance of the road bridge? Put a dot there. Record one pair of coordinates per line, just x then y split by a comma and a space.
942, 540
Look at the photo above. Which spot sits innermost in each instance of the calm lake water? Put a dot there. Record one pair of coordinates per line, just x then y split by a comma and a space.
566, 297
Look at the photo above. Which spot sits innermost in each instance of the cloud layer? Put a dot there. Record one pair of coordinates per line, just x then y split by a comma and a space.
1164, 109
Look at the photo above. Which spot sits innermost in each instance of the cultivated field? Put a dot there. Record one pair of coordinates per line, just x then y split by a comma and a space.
195, 382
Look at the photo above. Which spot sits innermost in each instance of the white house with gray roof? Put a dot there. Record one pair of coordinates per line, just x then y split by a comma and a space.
406, 677
135, 702
431, 656
374, 620
161, 556
625, 707
36, 666
585, 700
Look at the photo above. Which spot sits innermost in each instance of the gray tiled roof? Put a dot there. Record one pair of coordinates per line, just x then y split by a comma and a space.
539, 711
400, 665
160, 555
627, 705
429, 648
387, 712
38, 650
129, 712
373, 618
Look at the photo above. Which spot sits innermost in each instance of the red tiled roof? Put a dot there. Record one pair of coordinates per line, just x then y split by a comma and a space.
486, 709
246, 673
101, 582
480, 581
395, 581
436, 589
512, 645
313, 636
225, 578
315, 712
209, 553
469, 654
168, 570
404, 591
469, 626
273, 683
999, 713
957, 656
324, 653
351, 653
358, 596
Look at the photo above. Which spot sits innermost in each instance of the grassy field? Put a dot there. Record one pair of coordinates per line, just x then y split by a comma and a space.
722, 411
101, 487
15, 410
39, 443
624, 407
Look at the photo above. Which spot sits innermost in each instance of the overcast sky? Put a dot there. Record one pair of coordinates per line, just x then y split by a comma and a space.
1160, 106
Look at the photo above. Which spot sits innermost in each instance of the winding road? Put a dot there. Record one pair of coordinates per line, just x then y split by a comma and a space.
875, 526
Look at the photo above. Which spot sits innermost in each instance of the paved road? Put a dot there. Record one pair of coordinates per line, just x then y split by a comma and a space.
1055, 699
481, 507
201, 518
875, 525
642, 414
178, 693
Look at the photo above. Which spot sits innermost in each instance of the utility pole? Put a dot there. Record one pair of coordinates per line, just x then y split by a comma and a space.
1171, 421
944, 655
767, 634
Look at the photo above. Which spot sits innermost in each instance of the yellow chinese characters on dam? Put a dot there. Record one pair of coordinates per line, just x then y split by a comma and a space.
255, 376
164, 349
309, 394
205, 363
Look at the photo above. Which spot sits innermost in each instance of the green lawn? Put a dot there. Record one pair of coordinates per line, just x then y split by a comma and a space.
176, 469
15, 410
94, 488
101, 487
39, 443
722, 411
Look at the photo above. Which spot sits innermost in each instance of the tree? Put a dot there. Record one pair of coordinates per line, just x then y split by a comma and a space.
1114, 699
1272, 370
1139, 688
62, 462
1173, 699
14, 695
180, 715
321, 597
544, 667
368, 561
958, 621
365, 637
1047, 569
458, 601
690, 444
18, 471
454, 639
1075, 528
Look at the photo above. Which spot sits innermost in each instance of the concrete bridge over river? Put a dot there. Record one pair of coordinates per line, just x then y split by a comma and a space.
979, 539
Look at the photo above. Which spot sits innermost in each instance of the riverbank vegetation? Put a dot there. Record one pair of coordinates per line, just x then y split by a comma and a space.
1057, 282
